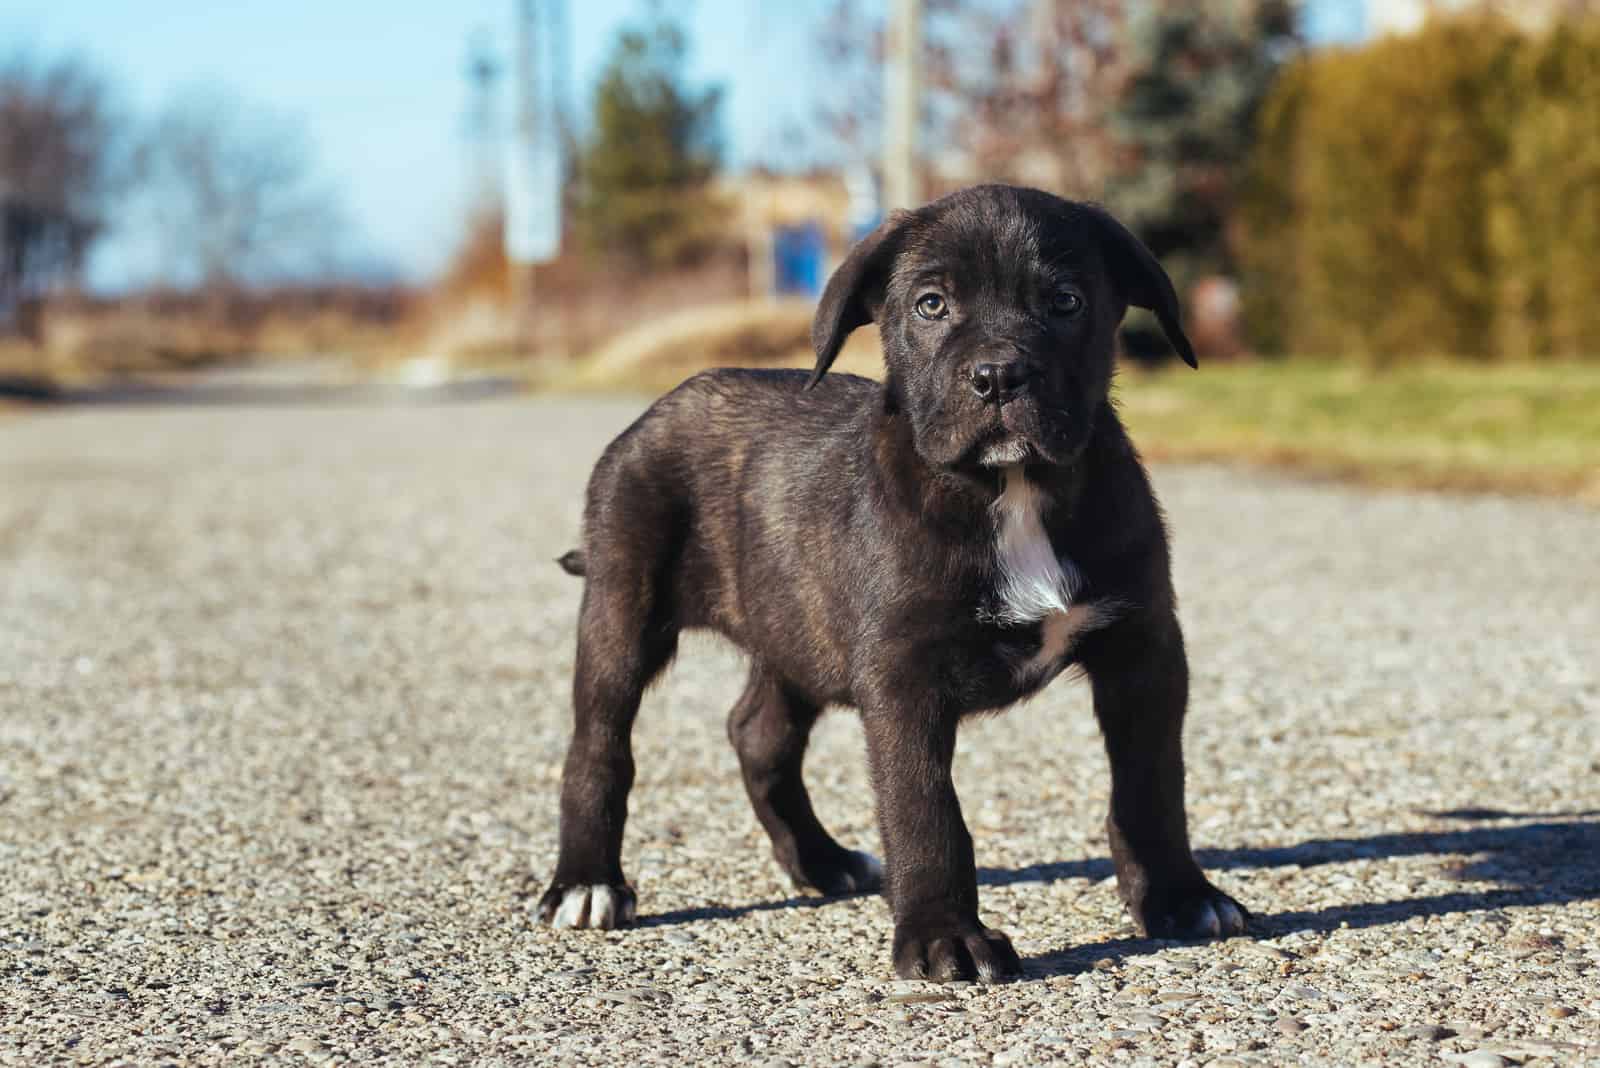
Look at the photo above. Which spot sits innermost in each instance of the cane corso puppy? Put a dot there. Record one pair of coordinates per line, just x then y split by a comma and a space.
941, 544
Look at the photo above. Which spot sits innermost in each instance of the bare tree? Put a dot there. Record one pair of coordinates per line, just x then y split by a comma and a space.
1039, 111
851, 111
1019, 91
58, 142
233, 195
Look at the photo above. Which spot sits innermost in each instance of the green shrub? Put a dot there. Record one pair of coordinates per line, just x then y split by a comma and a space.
1434, 194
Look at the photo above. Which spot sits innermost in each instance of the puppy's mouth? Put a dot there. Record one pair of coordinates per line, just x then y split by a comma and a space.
1017, 436
1006, 451
999, 448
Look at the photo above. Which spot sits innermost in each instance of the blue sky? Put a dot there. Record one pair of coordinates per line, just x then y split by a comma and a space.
380, 88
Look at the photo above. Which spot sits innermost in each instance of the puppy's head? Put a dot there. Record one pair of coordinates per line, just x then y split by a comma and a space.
998, 309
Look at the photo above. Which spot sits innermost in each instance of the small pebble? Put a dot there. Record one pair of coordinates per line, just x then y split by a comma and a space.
1477, 1059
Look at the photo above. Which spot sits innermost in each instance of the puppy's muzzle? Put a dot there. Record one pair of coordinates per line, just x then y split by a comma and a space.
999, 382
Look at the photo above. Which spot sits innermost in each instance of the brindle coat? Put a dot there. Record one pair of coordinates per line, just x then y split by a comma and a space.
845, 537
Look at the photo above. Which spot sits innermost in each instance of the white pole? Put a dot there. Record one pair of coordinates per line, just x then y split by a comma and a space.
901, 112
526, 139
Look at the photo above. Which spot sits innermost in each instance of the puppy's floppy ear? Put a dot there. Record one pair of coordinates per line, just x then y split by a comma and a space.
1142, 279
854, 294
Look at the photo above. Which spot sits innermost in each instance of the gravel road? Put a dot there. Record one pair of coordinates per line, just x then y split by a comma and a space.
283, 701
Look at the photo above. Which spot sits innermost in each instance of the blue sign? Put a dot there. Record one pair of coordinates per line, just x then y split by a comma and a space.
799, 253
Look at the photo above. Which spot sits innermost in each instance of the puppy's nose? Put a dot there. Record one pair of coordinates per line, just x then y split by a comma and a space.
999, 381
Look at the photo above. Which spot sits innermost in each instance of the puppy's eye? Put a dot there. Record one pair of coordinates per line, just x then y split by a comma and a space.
932, 306
1067, 303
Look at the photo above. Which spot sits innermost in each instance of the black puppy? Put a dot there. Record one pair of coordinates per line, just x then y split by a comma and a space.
943, 543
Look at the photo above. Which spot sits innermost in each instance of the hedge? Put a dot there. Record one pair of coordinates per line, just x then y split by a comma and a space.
1436, 194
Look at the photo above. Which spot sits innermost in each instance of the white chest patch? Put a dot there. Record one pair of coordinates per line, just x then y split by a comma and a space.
1035, 584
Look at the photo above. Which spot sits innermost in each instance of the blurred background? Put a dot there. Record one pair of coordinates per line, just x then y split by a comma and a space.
1383, 215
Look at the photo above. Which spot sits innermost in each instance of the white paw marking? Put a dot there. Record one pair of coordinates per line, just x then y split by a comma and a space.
1037, 585
595, 907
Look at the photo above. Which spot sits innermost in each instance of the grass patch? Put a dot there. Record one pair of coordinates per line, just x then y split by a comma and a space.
1525, 428
1522, 428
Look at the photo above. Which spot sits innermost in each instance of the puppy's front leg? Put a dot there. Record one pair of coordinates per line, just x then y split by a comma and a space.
1141, 688
932, 883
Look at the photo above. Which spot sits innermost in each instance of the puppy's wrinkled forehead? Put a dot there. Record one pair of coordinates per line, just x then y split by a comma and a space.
1004, 241
1005, 244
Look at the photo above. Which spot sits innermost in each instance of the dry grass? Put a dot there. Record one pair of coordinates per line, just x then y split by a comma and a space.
1518, 428
578, 306
659, 355
84, 341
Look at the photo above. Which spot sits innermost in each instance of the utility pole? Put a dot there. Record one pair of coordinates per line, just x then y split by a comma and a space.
560, 74
1042, 29
483, 132
903, 91
534, 180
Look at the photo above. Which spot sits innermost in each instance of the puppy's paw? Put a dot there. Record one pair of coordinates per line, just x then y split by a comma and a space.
953, 954
598, 907
847, 871
1199, 912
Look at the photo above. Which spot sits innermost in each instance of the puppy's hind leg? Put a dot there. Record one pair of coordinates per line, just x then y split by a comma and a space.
769, 728
622, 645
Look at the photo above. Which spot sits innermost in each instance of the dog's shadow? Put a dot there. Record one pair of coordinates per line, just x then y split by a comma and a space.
1532, 861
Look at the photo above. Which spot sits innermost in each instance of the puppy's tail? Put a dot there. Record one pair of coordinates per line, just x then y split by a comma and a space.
574, 562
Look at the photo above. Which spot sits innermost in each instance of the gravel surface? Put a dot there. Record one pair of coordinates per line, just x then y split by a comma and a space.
283, 702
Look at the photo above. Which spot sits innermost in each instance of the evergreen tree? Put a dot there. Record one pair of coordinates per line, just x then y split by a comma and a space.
1186, 122
645, 171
